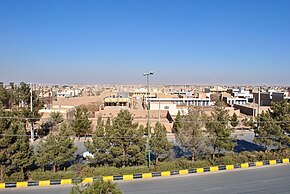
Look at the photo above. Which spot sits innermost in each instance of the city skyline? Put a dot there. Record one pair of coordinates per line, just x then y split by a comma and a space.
115, 42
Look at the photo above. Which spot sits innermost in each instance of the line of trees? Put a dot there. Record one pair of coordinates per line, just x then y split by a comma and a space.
121, 142
203, 135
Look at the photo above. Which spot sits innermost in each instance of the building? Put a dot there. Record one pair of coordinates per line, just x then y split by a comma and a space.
68, 93
121, 99
235, 100
67, 112
173, 105
139, 116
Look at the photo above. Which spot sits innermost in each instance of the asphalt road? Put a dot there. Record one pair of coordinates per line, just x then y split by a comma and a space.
262, 180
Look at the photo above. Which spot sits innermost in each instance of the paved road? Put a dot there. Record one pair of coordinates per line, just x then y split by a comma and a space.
260, 180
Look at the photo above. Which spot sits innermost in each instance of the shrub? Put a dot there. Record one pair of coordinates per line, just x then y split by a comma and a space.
49, 175
99, 186
202, 163
14, 177
164, 166
225, 160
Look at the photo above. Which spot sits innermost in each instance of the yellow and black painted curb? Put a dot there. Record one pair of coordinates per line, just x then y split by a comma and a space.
143, 175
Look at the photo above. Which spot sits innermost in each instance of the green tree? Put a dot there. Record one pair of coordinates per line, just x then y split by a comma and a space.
159, 143
100, 144
269, 132
98, 187
21, 103
108, 126
120, 143
81, 125
190, 134
127, 144
234, 120
280, 112
249, 122
56, 118
23, 152
56, 149
15, 152
218, 130
4, 97
177, 123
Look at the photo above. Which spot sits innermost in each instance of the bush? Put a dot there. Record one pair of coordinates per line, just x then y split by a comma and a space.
49, 175
225, 160
202, 163
164, 166
14, 177
99, 186
110, 171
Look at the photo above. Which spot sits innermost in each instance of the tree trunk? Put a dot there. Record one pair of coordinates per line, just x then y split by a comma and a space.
193, 154
156, 160
54, 168
124, 156
2, 170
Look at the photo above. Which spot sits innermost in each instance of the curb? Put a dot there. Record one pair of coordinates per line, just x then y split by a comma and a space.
143, 175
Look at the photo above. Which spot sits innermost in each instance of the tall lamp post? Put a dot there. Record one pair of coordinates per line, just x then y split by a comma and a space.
148, 115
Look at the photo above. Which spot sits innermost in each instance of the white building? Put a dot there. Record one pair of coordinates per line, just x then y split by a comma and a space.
173, 105
241, 93
235, 100
68, 93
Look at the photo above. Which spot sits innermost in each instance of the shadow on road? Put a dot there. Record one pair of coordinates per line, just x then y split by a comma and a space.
243, 145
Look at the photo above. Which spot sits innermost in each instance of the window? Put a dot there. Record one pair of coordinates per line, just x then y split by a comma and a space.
166, 107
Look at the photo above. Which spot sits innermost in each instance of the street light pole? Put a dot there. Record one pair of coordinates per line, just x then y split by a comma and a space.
31, 110
148, 115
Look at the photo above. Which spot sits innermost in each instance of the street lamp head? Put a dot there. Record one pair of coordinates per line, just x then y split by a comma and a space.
151, 72
144, 74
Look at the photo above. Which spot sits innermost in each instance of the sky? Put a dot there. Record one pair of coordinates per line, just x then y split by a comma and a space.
242, 42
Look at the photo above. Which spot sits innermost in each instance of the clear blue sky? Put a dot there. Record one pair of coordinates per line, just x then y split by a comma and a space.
183, 41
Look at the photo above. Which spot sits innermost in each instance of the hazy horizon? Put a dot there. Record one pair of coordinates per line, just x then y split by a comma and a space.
207, 42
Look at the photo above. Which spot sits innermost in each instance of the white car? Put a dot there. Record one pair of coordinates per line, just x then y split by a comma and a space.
88, 155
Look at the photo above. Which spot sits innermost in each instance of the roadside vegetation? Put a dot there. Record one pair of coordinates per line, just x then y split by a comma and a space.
118, 145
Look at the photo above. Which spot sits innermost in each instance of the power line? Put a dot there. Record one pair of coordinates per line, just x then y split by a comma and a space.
204, 121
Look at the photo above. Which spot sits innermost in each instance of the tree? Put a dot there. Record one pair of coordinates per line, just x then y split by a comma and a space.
81, 125
15, 152
23, 152
4, 97
234, 120
159, 143
127, 144
56, 118
120, 143
177, 123
56, 149
249, 122
21, 103
280, 112
219, 131
100, 144
191, 135
99, 187
269, 132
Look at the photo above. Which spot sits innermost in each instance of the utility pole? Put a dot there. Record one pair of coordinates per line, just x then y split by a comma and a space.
159, 112
31, 110
259, 103
148, 115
